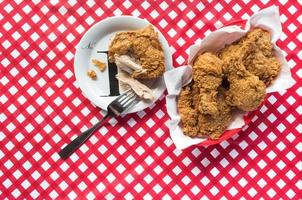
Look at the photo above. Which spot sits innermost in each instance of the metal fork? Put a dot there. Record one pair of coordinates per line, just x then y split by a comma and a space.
115, 108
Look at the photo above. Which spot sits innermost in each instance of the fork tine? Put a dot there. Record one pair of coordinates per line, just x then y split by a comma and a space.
129, 101
124, 95
127, 98
129, 104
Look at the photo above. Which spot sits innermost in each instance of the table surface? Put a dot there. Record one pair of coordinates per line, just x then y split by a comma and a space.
42, 109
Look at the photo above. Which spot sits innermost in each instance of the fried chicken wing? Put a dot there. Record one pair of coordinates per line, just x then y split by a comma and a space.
144, 47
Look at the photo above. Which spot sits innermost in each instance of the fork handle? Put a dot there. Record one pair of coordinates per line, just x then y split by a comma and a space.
77, 142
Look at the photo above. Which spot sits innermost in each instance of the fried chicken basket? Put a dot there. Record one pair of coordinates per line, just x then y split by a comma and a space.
267, 19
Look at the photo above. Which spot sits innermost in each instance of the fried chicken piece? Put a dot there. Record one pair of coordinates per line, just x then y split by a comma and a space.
187, 112
261, 39
249, 66
266, 68
207, 75
202, 105
144, 47
246, 93
256, 52
261, 62
196, 124
214, 126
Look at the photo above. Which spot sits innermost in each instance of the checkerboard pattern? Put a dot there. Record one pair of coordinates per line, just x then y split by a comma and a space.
42, 109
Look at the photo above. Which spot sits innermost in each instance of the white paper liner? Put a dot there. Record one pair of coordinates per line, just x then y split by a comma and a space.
267, 19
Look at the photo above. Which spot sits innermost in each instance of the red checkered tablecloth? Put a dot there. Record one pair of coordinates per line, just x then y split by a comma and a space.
42, 109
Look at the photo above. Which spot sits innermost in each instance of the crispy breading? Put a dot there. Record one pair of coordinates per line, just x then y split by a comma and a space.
245, 70
196, 124
99, 64
214, 126
255, 51
91, 73
144, 46
246, 93
207, 73
187, 111
266, 68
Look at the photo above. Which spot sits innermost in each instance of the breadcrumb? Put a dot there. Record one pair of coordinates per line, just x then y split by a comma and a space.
92, 74
99, 64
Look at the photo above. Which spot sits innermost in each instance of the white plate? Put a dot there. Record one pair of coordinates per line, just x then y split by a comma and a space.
98, 38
